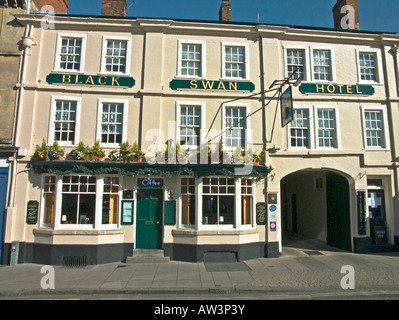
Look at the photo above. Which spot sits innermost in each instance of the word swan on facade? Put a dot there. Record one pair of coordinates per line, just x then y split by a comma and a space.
217, 309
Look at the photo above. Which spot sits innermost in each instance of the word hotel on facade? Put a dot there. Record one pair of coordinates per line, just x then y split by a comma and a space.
143, 133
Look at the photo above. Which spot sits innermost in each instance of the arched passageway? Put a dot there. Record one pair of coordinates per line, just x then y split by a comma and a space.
316, 205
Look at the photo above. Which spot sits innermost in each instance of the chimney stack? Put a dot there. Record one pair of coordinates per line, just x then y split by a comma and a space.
346, 14
60, 6
117, 8
225, 11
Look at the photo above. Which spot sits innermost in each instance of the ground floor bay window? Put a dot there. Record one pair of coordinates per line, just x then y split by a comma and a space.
217, 203
80, 202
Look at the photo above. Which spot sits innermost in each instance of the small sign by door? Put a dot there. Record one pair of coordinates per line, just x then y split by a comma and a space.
31, 212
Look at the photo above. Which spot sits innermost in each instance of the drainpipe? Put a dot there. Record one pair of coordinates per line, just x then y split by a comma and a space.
28, 7
27, 44
395, 51
392, 134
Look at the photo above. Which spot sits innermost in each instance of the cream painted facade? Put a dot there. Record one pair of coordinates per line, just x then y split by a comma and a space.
239, 62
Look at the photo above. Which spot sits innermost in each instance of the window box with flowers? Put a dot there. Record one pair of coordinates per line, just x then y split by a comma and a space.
256, 159
96, 153
45, 152
80, 153
127, 153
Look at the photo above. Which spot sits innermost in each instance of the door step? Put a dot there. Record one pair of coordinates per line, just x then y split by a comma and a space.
147, 256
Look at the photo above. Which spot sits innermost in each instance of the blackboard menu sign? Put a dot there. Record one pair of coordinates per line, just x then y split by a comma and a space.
32, 210
261, 213
361, 212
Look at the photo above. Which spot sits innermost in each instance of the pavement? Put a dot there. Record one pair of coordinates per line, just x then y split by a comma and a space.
307, 271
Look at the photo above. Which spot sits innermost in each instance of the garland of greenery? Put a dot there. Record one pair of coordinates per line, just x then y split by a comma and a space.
132, 170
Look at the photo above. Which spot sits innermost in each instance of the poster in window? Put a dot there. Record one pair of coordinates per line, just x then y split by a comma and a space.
127, 212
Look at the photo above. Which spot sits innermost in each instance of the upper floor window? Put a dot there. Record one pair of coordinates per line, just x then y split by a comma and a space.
115, 55
369, 66
112, 117
322, 65
191, 59
322, 133
235, 125
374, 127
190, 120
326, 128
71, 50
310, 63
64, 123
296, 62
300, 129
235, 61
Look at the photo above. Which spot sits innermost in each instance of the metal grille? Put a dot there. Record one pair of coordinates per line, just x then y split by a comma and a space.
74, 261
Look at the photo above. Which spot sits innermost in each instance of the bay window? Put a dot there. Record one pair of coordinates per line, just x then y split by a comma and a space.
48, 200
81, 202
78, 200
188, 201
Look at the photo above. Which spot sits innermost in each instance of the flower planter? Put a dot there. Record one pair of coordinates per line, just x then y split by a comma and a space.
57, 158
256, 163
95, 158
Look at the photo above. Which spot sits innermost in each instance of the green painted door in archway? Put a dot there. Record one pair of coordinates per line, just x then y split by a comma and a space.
149, 219
338, 212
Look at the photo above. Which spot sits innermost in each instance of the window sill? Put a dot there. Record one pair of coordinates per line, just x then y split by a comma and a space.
51, 232
199, 233
67, 71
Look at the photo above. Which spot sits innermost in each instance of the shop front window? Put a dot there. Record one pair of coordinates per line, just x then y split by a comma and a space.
78, 200
49, 196
246, 201
110, 207
218, 203
188, 201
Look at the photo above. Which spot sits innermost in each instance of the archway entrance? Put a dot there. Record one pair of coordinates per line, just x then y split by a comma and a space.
316, 205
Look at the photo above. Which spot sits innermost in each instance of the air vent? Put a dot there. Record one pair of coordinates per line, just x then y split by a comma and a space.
74, 261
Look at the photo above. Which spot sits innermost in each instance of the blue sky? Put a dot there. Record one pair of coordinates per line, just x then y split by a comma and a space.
375, 15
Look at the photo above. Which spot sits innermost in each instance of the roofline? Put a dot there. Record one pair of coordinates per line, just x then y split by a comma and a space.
224, 22
239, 23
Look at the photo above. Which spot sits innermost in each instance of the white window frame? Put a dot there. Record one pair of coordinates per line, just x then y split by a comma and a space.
51, 130
99, 203
100, 103
42, 202
248, 133
311, 129
332, 57
378, 66
246, 50
98, 210
386, 140
237, 225
57, 60
179, 104
306, 60
180, 203
180, 44
337, 127
104, 51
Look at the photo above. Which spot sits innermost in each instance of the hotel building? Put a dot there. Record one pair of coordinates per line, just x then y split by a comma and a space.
197, 98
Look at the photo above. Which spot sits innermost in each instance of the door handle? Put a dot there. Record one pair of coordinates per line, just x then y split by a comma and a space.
157, 222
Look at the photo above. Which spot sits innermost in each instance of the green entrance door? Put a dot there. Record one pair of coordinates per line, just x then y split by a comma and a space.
338, 212
149, 219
